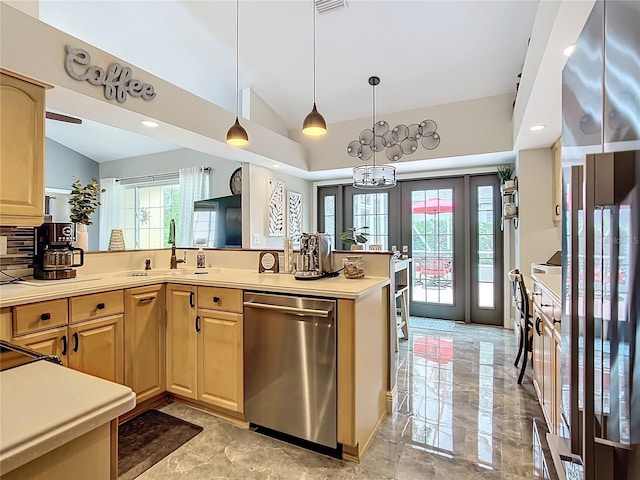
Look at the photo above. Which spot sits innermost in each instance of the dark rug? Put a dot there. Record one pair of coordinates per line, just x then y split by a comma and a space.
146, 439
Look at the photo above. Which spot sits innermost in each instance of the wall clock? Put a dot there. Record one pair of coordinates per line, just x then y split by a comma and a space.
235, 182
268, 262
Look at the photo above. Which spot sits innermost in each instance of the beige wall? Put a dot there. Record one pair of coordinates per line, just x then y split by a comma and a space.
537, 238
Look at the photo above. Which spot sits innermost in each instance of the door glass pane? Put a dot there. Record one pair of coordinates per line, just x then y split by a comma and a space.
486, 246
432, 245
329, 212
372, 210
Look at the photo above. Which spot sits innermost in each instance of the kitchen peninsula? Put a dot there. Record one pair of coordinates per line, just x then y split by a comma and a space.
169, 319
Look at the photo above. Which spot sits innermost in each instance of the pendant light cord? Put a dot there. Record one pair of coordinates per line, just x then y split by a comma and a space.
237, 56
373, 127
314, 52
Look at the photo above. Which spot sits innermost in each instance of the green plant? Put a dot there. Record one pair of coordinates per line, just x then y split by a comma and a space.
505, 172
84, 200
354, 236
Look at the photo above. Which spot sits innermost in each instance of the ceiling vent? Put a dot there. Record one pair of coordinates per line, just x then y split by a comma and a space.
325, 6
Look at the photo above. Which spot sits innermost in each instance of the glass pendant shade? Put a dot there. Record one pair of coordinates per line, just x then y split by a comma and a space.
314, 124
237, 135
374, 177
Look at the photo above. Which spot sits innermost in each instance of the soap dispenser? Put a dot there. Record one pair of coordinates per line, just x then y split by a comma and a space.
201, 259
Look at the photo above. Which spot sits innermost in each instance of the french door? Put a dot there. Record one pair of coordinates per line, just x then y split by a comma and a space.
452, 227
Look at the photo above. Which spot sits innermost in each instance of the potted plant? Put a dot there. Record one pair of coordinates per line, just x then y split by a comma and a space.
504, 174
355, 237
83, 201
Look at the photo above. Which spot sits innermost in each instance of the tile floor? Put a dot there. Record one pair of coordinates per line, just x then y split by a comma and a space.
460, 415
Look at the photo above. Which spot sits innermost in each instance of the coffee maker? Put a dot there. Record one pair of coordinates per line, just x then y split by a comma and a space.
314, 260
55, 257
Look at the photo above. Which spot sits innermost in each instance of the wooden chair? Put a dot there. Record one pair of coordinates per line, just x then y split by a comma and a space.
524, 320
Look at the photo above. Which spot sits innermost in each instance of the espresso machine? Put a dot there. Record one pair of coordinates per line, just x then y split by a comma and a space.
314, 260
55, 256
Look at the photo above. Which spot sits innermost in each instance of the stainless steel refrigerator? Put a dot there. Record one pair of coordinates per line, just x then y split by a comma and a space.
599, 423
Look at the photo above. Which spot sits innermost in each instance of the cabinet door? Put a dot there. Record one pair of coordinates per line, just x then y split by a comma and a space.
538, 356
145, 341
549, 372
220, 359
182, 341
21, 152
50, 342
96, 347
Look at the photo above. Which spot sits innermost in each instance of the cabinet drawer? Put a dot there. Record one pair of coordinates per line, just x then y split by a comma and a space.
96, 305
39, 316
218, 298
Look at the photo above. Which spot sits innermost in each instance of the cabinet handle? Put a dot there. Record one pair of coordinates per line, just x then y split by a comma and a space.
216, 299
191, 304
100, 306
198, 323
146, 299
64, 345
75, 342
538, 321
45, 316
556, 321
546, 305
557, 209
537, 293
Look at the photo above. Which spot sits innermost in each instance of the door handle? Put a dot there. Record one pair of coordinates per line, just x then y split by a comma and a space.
64, 345
538, 321
191, 304
75, 342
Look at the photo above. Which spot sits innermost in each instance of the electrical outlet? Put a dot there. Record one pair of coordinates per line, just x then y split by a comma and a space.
3, 245
405, 249
256, 239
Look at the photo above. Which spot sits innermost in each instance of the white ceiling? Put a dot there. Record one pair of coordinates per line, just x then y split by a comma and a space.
426, 52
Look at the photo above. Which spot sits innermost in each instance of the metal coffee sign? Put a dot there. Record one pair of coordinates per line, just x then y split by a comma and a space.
117, 80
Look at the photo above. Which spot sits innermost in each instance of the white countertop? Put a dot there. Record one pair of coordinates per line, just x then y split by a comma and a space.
337, 287
44, 406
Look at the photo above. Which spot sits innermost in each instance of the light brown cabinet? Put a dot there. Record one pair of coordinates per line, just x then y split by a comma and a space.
22, 105
556, 204
205, 345
145, 334
93, 345
546, 353
182, 341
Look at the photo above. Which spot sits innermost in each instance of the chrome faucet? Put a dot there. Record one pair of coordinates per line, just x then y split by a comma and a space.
172, 240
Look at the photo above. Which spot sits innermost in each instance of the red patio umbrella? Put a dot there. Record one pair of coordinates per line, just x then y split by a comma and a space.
432, 206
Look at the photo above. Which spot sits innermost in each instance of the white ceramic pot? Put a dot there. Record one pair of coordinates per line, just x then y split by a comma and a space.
508, 184
510, 209
82, 237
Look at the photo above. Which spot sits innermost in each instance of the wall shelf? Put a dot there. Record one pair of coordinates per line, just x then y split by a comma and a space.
509, 203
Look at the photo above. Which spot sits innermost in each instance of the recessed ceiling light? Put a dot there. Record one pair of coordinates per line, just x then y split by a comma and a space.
150, 123
275, 165
569, 50
537, 128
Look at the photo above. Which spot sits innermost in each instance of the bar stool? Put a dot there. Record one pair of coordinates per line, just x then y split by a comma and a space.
402, 283
524, 320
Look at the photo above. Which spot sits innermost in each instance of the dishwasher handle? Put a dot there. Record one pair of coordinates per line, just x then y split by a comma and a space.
304, 312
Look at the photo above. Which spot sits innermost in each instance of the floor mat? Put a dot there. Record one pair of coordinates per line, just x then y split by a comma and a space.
146, 439
431, 323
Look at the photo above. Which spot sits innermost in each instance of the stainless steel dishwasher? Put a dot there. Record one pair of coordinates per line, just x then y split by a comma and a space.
290, 365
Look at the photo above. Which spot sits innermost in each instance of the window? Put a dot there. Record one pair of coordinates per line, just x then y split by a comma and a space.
329, 214
372, 210
146, 209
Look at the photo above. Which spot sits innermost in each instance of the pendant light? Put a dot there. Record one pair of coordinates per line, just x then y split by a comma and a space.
373, 177
314, 124
237, 135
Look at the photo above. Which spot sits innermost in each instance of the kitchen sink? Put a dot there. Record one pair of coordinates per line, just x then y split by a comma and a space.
179, 272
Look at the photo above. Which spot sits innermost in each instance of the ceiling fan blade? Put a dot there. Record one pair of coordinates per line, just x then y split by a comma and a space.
62, 118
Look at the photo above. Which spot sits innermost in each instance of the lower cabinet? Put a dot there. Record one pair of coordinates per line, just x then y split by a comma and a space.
145, 341
182, 341
220, 358
204, 346
94, 347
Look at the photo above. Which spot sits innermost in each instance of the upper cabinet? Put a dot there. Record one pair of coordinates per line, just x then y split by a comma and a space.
556, 202
22, 113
